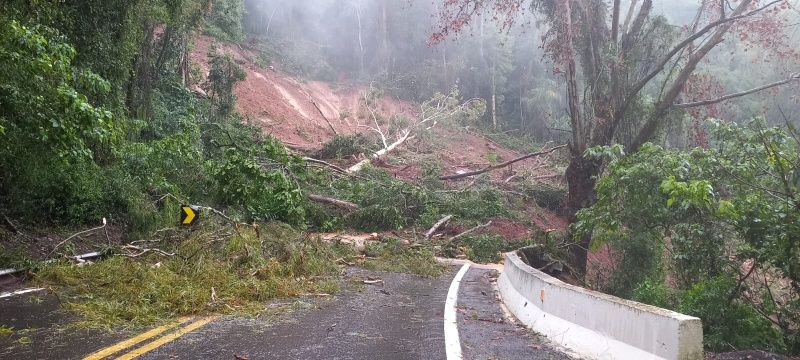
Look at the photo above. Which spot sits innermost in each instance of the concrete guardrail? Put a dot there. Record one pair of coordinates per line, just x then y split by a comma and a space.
593, 324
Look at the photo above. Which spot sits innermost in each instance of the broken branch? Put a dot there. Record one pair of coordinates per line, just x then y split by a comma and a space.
335, 202
323, 116
321, 162
792, 77
499, 166
76, 234
436, 226
357, 167
467, 232
143, 251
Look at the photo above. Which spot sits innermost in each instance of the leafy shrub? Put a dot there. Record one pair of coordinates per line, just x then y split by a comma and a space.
729, 325
547, 196
222, 77
342, 146
41, 104
655, 293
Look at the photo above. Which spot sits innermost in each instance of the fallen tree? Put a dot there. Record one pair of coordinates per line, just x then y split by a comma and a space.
438, 108
357, 167
499, 166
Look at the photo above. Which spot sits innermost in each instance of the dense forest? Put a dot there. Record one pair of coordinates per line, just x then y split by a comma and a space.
663, 134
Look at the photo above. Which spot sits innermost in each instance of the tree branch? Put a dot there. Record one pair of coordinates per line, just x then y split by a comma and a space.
663, 62
323, 116
467, 232
436, 226
74, 235
615, 22
498, 166
792, 77
346, 205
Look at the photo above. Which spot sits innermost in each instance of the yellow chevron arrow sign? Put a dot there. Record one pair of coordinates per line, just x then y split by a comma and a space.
189, 214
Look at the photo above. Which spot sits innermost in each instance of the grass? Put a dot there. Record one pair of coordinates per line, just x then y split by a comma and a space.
242, 271
391, 255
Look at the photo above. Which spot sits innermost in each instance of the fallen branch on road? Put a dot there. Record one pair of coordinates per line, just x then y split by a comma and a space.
499, 166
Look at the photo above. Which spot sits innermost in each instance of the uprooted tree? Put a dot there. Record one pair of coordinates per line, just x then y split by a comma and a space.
627, 71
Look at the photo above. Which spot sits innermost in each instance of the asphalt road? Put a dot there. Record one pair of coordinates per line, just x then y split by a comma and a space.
401, 317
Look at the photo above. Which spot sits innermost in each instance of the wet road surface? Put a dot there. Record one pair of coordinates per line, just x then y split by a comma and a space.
398, 318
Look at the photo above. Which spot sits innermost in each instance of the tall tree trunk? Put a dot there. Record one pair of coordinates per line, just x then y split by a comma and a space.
494, 93
581, 175
360, 38
385, 28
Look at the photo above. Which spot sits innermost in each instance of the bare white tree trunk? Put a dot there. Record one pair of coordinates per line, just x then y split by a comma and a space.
360, 38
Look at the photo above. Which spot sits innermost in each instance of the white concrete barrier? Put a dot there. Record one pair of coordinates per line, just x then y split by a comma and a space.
593, 324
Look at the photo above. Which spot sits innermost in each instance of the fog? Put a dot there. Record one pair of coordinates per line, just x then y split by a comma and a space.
387, 42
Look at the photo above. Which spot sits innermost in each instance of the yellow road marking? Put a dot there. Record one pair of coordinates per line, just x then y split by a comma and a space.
167, 338
122, 345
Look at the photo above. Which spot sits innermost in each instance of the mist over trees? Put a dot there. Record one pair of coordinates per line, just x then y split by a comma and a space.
389, 42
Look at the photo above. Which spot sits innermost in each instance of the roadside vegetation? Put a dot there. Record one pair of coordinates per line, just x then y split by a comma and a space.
711, 232
109, 124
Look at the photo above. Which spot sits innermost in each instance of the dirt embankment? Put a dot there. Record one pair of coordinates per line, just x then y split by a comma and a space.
292, 110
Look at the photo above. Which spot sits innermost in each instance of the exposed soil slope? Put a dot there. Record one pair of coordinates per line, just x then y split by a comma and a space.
285, 107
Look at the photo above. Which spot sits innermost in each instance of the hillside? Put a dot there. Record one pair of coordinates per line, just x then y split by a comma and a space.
297, 113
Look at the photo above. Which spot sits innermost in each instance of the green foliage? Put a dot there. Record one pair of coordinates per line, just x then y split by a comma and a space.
391, 255
384, 203
260, 180
655, 293
39, 103
222, 77
225, 22
342, 146
693, 216
727, 325
489, 248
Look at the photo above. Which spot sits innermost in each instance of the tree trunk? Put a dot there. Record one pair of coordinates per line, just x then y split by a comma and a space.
494, 95
360, 39
581, 175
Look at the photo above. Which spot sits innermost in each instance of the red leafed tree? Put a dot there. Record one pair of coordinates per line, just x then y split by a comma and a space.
610, 58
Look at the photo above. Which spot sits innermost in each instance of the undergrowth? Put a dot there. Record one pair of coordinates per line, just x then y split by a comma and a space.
489, 248
386, 203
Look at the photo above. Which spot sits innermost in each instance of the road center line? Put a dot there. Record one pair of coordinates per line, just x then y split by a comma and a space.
122, 345
451, 341
167, 338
